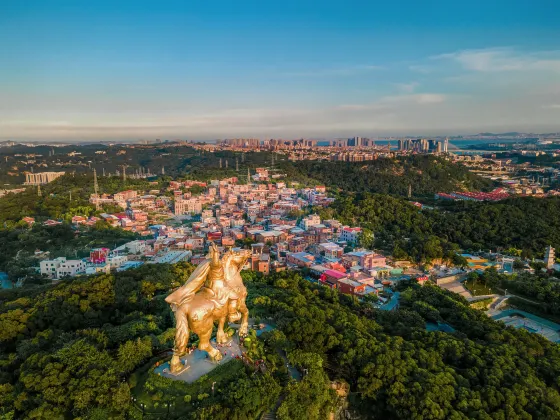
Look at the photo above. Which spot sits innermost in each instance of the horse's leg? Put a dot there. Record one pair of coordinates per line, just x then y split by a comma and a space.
206, 346
181, 339
221, 336
244, 328
205, 342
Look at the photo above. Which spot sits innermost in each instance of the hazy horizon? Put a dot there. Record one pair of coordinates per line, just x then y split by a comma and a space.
78, 71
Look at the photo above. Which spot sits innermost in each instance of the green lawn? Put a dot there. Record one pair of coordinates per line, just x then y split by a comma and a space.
477, 288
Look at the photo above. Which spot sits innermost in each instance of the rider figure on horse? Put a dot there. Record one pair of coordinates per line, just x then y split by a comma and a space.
212, 278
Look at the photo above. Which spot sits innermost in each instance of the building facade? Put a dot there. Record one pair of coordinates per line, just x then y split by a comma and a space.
41, 178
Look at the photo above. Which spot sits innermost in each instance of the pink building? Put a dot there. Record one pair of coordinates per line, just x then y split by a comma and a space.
365, 259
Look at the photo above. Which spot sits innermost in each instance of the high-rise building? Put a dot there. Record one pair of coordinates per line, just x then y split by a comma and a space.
432, 145
445, 145
401, 144
355, 142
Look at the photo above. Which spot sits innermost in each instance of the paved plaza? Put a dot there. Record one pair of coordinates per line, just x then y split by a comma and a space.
199, 364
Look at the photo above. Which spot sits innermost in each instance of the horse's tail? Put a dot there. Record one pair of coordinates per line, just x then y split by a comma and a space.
182, 330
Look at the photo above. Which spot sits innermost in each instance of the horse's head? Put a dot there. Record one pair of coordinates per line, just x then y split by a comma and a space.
235, 260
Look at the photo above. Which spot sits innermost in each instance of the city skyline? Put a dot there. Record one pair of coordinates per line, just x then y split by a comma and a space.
320, 70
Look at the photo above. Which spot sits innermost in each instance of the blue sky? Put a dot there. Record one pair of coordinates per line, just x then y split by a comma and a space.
77, 70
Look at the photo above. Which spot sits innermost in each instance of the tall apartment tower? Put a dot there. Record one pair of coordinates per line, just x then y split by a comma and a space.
549, 257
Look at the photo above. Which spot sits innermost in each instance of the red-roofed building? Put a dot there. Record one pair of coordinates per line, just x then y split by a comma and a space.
351, 287
331, 278
79, 220
422, 280
349, 234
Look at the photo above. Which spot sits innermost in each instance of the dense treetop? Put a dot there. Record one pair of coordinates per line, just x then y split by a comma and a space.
528, 224
18, 245
64, 349
425, 175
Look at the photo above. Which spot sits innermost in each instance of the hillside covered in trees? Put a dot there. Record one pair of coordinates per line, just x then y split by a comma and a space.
425, 175
173, 159
65, 197
18, 245
528, 224
65, 350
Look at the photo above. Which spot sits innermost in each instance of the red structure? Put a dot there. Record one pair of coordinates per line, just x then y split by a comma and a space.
98, 255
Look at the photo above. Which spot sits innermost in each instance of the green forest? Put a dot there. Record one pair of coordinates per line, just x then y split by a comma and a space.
424, 174
527, 224
173, 159
71, 350
18, 245
65, 197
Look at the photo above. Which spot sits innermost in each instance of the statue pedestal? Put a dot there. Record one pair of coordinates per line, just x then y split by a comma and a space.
198, 363
179, 372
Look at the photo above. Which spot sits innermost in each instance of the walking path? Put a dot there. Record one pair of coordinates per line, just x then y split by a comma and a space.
295, 374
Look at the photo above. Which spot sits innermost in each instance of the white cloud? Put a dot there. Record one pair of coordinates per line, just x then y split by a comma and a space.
504, 60
396, 101
421, 68
335, 71
419, 98
407, 87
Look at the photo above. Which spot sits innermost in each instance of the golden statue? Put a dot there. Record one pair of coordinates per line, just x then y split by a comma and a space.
213, 292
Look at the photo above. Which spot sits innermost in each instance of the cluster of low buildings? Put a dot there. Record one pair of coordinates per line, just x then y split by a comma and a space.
100, 260
262, 216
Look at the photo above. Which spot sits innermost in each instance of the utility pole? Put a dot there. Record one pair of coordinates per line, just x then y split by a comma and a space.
237, 164
248, 176
227, 163
220, 163
124, 173
163, 170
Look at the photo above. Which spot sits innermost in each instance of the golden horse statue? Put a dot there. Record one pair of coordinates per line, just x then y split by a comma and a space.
213, 292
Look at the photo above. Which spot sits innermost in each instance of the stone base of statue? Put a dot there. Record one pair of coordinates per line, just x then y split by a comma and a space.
176, 366
197, 363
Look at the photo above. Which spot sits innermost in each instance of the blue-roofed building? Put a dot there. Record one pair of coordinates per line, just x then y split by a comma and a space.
130, 264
